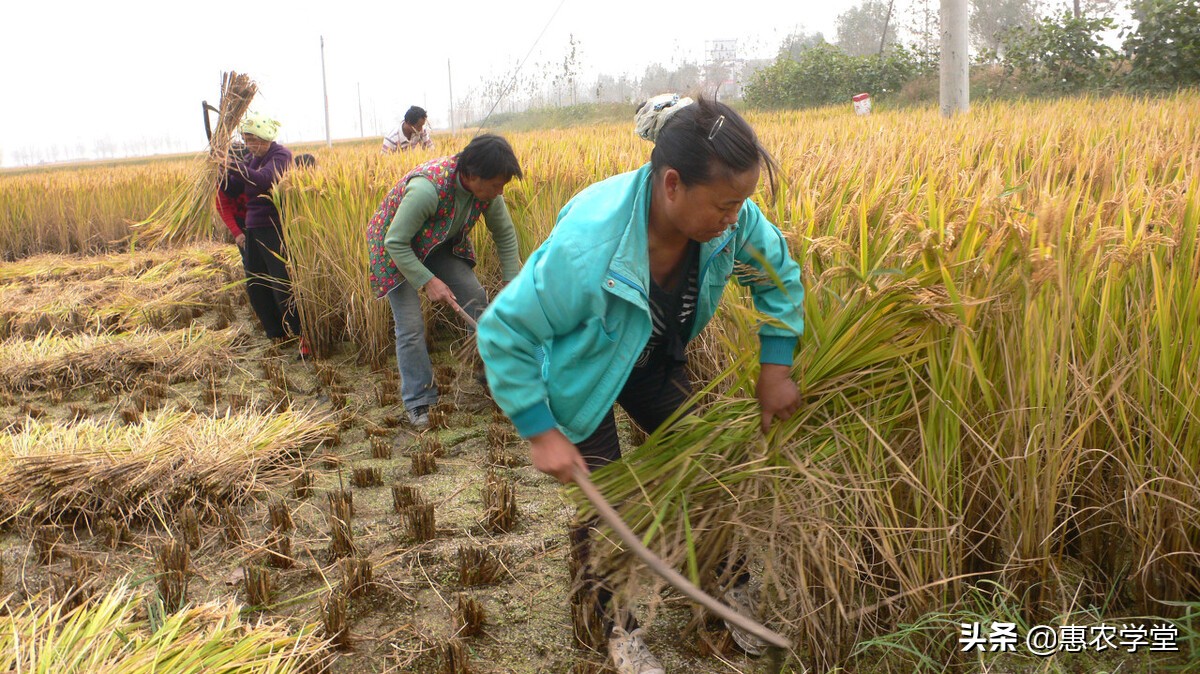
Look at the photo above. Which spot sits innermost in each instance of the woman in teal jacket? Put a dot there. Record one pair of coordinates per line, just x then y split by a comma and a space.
633, 270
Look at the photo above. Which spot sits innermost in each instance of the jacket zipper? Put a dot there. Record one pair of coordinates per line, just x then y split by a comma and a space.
631, 284
718, 249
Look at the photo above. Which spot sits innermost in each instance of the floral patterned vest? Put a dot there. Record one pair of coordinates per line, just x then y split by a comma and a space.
443, 173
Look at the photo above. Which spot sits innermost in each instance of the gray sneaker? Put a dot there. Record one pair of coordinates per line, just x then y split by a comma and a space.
630, 655
419, 417
741, 599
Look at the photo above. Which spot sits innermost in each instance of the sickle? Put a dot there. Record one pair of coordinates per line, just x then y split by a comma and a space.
777, 643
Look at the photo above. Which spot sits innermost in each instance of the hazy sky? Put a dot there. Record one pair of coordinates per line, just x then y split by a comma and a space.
127, 71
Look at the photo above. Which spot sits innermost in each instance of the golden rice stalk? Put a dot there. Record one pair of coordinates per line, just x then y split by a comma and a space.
279, 516
405, 496
233, 526
278, 548
367, 477
432, 445
302, 486
337, 627
454, 658
189, 526
258, 584
423, 463
587, 623
443, 376
499, 503
500, 434
468, 617
50, 472
46, 541
114, 633
385, 395
341, 509
189, 208
113, 531
479, 565
439, 417
172, 563
356, 575
499, 457
419, 519
380, 448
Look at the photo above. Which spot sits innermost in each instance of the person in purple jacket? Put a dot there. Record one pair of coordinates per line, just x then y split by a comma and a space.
263, 253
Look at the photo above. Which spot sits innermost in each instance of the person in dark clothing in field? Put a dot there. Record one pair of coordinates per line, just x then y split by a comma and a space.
264, 254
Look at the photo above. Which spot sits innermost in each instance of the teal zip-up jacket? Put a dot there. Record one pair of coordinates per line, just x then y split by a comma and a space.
560, 341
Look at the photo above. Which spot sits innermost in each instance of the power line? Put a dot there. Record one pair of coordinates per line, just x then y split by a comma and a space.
519, 66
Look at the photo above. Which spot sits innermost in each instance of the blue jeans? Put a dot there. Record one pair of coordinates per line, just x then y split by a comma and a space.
412, 355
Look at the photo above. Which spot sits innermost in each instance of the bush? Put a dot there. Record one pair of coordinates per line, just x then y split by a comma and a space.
1165, 48
1060, 54
825, 74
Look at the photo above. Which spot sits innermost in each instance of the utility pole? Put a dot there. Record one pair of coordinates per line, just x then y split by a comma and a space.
955, 72
886, 20
325, 90
362, 133
450, 82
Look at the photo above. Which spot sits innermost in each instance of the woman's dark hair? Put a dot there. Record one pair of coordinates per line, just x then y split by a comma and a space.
488, 156
305, 160
709, 136
414, 115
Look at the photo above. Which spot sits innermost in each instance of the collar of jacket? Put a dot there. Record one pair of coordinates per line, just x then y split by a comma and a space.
629, 270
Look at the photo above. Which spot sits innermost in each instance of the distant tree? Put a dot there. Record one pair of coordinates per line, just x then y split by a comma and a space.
861, 29
922, 21
1165, 46
658, 79
1080, 8
799, 42
992, 19
1061, 54
825, 74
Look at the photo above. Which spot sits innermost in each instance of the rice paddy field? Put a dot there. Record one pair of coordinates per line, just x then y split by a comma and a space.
999, 420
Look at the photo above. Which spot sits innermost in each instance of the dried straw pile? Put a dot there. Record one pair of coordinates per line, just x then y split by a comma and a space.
116, 361
71, 268
62, 473
116, 635
189, 207
97, 298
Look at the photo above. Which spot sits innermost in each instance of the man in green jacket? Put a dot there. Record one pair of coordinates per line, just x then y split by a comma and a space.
419, 240
604, 309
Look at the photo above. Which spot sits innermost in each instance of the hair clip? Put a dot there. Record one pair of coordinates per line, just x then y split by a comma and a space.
716, 127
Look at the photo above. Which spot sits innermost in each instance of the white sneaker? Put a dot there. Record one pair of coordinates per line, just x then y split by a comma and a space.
742, 600
630, 655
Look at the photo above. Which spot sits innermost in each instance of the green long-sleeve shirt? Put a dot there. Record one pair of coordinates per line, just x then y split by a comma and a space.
420, 203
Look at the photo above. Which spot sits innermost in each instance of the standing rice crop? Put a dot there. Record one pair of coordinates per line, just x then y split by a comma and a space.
996, 376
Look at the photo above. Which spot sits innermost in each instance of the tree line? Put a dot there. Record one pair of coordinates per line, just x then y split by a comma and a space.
1020, 47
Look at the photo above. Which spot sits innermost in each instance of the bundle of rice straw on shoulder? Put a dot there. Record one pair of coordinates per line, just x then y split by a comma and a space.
188, 213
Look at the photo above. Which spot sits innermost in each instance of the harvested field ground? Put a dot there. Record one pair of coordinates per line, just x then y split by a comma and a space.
403, 618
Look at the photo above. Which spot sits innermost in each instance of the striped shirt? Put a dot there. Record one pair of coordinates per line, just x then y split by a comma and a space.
672, 312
